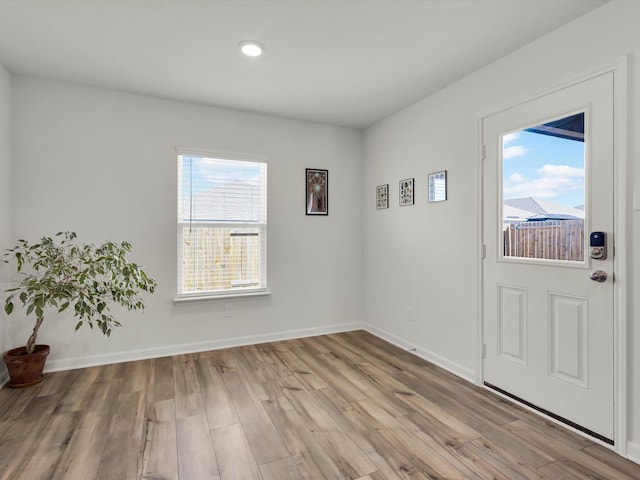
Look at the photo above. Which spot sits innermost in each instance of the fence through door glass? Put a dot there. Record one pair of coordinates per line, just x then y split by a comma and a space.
543, 194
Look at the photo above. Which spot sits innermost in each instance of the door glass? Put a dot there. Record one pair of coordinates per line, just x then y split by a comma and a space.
543, 193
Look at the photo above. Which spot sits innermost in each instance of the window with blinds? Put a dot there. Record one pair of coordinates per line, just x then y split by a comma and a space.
222, 224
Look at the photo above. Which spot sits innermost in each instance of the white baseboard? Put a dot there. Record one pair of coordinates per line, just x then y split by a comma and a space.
453, 367
633, 452
166, 351
169, 350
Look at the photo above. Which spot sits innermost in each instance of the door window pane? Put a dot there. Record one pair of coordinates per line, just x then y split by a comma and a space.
543, 192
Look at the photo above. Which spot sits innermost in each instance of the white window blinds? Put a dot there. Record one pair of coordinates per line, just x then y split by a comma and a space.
222, 225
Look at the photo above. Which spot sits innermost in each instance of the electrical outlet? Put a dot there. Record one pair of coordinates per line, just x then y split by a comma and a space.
227, 311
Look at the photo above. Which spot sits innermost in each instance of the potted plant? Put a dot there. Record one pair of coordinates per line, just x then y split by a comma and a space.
57, 274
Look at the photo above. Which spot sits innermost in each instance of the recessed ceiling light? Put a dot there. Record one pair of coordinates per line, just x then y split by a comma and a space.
251, 48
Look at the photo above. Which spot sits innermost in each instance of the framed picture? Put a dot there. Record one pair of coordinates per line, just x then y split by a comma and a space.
317, 187
406, 192
382, 196
438, 186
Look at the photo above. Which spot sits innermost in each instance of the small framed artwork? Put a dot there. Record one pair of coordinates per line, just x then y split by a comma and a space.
317, 188
406, 192
382, 196
438, 186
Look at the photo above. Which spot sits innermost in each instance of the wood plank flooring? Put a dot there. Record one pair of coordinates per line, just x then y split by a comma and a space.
343, 406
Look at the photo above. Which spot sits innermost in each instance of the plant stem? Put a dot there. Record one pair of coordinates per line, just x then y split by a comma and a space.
31, 343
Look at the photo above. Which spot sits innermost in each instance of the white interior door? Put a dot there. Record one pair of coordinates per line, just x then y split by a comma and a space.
548, 326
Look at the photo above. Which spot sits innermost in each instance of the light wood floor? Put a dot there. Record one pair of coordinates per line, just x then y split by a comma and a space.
338, 406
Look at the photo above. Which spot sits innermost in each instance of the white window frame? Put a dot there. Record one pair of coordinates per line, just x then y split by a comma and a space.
261, 289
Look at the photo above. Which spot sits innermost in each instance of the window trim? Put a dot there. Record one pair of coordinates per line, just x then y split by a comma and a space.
222, 294
242, 157
204, 297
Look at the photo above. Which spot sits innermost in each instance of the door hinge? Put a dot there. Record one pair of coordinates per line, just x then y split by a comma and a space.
483, 251
483, 350
484, 152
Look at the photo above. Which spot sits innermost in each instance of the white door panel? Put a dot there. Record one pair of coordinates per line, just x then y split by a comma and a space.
548, 328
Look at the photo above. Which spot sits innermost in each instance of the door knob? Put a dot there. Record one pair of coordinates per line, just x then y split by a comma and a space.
599, 276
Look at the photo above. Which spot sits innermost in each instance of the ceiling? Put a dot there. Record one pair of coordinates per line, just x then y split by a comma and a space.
349, 62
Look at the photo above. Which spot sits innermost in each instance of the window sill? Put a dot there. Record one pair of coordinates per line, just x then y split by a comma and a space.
222, 296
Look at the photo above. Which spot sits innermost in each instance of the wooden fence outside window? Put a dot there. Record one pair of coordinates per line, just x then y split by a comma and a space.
220, 258
548, 239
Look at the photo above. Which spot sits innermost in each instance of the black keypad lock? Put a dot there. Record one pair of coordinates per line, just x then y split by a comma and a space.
598, 245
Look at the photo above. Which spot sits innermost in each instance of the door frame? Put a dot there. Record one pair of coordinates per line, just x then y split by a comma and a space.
620, 72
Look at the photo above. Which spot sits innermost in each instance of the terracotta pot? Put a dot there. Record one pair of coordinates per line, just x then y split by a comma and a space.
26, 369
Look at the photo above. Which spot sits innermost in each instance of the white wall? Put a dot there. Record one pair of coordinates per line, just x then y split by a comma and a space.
6, 200
425, 256
103, 164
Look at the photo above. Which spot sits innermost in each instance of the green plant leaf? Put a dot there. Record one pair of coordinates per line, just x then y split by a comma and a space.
59, 273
